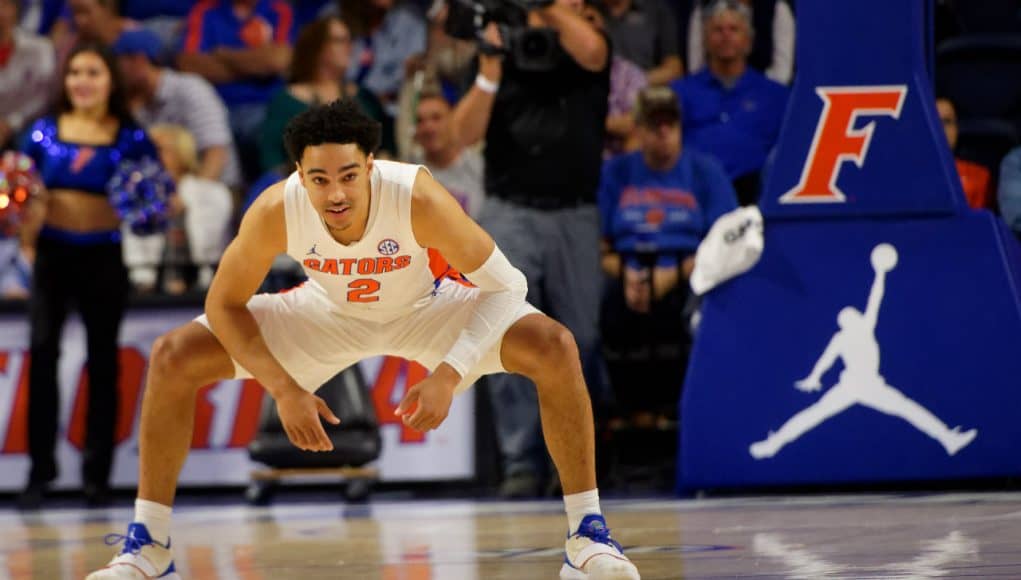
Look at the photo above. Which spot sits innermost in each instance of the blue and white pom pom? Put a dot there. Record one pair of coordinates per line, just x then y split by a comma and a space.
140, 192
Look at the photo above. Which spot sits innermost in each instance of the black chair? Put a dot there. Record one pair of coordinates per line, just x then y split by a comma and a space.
981, 75
356, 440
986, 141
988, 16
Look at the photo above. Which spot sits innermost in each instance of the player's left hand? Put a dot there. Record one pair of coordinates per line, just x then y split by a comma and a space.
433, 396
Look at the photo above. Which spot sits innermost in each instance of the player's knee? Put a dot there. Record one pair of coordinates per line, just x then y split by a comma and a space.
562, 343
556, 349
170, 357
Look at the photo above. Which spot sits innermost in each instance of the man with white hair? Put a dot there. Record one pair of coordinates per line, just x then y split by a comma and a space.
772, 48
732, 111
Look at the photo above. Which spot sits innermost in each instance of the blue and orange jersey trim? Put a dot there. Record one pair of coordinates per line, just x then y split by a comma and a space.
196, 21
441, 269
285, 20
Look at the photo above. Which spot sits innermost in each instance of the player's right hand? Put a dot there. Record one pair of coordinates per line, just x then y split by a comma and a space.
299, 412
808, 385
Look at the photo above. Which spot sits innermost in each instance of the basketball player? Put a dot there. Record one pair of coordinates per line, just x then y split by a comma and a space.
372, 237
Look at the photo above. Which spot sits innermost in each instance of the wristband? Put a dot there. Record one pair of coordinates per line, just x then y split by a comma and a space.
486, 85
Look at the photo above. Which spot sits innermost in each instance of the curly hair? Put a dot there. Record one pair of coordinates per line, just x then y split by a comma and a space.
341, 121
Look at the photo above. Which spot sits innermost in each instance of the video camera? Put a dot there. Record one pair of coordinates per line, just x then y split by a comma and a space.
532, 49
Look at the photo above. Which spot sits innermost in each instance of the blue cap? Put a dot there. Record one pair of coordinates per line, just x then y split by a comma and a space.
138, 41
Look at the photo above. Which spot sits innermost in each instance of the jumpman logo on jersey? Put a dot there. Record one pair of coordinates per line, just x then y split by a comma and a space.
860, 382
313, 252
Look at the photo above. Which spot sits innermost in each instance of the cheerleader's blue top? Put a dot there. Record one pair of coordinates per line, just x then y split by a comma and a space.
86, 168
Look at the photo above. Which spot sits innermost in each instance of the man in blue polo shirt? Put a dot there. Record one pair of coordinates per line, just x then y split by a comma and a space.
243, 47
731, 111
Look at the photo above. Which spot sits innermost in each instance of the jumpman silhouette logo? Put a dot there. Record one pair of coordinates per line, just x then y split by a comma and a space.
937, 557
313, 252
860, 382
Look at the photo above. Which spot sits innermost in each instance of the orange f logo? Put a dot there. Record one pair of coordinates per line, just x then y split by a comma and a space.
836, 141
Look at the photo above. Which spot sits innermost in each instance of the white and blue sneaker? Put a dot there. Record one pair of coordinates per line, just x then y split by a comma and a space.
142, 558
591, 554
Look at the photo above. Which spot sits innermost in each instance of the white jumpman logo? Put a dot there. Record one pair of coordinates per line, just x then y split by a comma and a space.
860, 382
935, 560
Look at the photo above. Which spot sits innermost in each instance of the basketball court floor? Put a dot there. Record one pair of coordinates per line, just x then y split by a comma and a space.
808, 537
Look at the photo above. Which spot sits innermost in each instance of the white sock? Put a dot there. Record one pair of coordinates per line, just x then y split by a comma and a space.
156, 518
579, 505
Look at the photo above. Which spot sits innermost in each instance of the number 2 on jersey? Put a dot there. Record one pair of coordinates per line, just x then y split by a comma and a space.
363, 290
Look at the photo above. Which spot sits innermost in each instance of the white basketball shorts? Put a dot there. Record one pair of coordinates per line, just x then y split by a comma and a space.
313, 342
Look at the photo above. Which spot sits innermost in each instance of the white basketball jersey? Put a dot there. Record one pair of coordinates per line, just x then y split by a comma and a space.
385, 274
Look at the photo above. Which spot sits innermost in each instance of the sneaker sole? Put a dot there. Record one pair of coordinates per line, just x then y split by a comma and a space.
572, 573
171, 576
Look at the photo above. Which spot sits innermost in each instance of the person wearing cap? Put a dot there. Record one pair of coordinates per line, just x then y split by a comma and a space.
27, 70
159, 95
656, 205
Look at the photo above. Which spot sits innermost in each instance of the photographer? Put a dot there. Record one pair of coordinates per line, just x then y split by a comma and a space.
540, 102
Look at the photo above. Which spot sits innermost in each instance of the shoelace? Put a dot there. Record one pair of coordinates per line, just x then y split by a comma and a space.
600, 535
132, 545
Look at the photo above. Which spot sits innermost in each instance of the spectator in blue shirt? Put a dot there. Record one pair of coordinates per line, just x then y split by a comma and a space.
731, 111
243, 47
656, 205
39, 16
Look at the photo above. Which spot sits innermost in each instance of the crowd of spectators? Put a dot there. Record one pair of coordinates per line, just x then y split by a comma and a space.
213, 83
688, 97
232, 72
